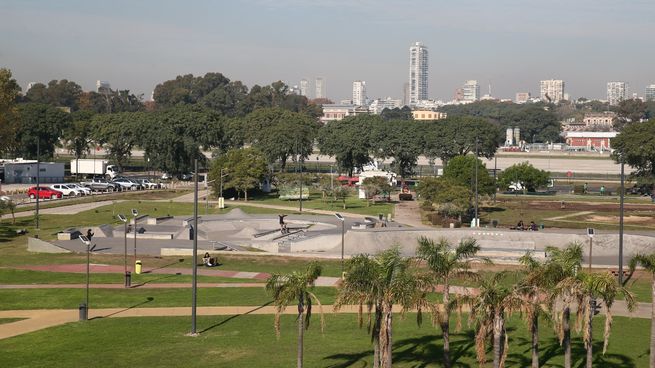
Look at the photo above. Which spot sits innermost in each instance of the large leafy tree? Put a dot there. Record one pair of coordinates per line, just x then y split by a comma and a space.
647, 261
399, 141
461, 170
457, 135
119, 133
630, 111
530, 177
449, 198
77, 136
447, 263
349, 141
187, 89
42, 124
245, 169
635, 145
380, 282
404, 113
281, 134
9, 92
295, 287
58, 93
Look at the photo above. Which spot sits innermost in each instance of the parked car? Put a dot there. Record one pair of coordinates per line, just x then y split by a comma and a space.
98, 184
84, 190
127, 184
166, 176
185, 176
147, 184
67, 190
44, 192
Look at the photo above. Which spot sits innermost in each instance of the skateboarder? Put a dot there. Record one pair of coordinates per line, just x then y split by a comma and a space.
283, 226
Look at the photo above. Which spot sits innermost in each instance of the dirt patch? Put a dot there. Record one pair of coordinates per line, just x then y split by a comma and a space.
641, 220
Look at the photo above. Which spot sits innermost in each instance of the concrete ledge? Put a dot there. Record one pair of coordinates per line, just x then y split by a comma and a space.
39, 246
189, 252
157, 220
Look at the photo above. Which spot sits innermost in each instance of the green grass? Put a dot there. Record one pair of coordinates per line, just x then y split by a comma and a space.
124, 298
9, 320
353, 204
250, 341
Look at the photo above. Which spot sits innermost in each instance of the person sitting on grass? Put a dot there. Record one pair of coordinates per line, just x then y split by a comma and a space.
520, 225
209, 261
533, 226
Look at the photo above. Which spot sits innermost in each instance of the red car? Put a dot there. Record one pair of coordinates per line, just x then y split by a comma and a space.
44, 192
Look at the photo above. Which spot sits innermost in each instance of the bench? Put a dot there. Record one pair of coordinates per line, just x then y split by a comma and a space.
616, 273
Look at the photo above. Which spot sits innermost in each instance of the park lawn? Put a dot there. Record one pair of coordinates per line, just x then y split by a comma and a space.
25, 277
123, 298
250, 341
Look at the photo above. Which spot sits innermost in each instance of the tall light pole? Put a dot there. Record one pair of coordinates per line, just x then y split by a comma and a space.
135, 213
622, 199
194, 297
343, 231
38, 177
128, 276
590, 234
476, 221
84, 309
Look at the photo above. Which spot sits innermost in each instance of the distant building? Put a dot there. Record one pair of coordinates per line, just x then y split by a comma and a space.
649, 95
103, 86
406, 94
590, 140
295, 90
616, 92
377, 105
304, 87
30, 85
522, 97
359, 93
471, 90
320, 88
428, 115
459, 94
336, 112
24, 172
552, 90
603, 119
418, 73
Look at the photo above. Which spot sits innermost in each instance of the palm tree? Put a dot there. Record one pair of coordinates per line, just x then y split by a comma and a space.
378, 282
531, 288
447, 263
586, 288
563, 263
295, 287
489, 310
648, 262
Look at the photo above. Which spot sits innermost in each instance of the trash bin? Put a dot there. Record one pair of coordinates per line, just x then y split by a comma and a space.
83, 312
542, 226
128, 278
380, 216
137, 267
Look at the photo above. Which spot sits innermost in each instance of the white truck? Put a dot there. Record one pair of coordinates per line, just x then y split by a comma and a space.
94, 167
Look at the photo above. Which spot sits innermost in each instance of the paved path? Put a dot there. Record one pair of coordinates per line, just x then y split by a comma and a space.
63, 210
408, 213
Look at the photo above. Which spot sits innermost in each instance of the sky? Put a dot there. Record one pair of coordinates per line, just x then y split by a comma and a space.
509, 44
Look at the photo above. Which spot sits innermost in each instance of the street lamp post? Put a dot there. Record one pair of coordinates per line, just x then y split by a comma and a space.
590, 234
622, 199
128, 275
84, 308
135, 213
195, 252
476, 221
343, 231
38, 177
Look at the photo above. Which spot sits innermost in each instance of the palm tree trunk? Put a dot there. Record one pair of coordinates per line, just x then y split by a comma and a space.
445, 324
590, 345
385, 336
301, 332
535, 331
376, 336
566, 341
652, 324
498, 329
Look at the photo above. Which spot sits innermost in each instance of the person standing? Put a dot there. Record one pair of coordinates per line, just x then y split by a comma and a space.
90, 234
283, 225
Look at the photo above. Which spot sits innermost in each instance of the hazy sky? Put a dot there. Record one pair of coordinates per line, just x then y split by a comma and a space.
136, 44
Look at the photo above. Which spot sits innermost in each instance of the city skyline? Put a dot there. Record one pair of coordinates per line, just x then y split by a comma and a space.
503, 43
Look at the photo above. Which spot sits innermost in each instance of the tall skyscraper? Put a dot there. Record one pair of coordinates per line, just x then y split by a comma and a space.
471, 91
359, 93
552, 90
418, 73
649, 95
304, 87
405, 94
320, 88
616, 92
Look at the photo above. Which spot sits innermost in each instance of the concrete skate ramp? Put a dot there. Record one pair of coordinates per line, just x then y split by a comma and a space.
235, 214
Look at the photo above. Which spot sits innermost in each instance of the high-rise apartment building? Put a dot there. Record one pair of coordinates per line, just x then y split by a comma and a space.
649, 95
522, 97
359, 93
418, 73
471, 91
552, 90
616, 92
320, 88
304, 87
103, 86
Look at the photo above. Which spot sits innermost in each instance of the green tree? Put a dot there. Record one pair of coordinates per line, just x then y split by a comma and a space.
349, 141
40, 123
461, 170
118, 133
379, 283
58, 93
404, 113
398, 140
448, 197
376, 185
341, 193
647, 261
295, 287
447, 263
245, 169
530, 177
456, 136
9, 119
635, 145
586, 289
630, 111
77, 136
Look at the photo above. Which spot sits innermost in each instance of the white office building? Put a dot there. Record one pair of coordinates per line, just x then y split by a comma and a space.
359, 93
418, 73
471, 91
649, 95
320, 88
378, 105
103, 86
616, 92
304, 87
552, 90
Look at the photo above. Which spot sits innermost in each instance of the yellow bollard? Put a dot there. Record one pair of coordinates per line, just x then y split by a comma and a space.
137, 267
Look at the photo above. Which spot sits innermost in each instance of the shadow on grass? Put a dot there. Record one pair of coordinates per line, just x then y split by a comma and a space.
8, 230
148, 300
228, 319
164, 266
153, 280
552, 349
